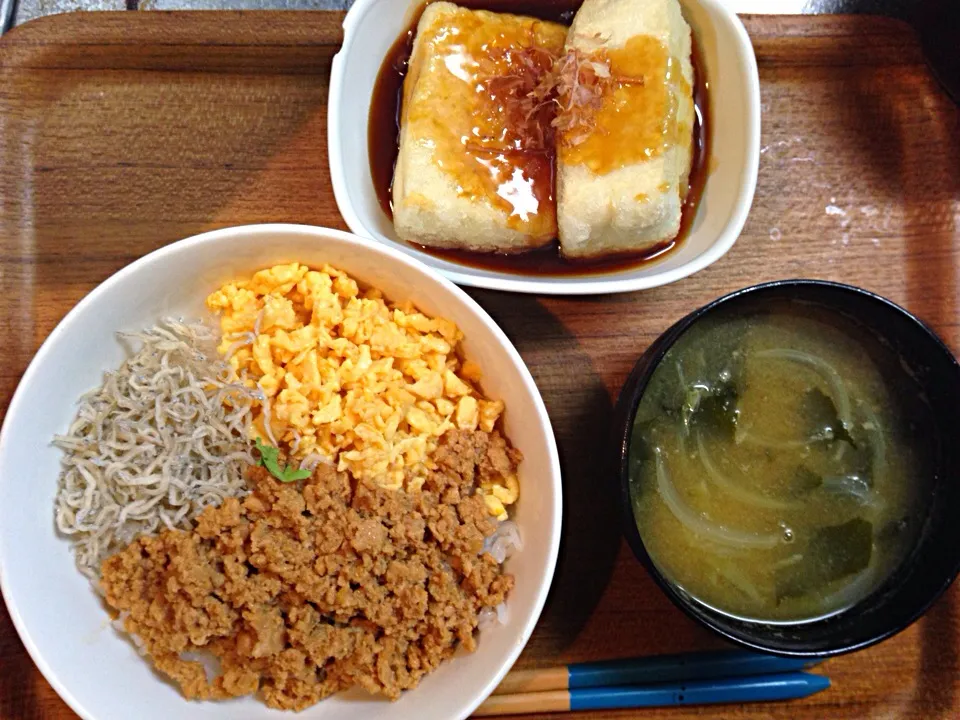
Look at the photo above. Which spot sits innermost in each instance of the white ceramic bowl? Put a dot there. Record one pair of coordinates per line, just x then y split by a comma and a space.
60, 619
372, 26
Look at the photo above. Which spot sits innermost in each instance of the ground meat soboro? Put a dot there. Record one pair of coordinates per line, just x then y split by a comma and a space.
305, 590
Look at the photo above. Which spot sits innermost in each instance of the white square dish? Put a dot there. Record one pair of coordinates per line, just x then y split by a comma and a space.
372, 26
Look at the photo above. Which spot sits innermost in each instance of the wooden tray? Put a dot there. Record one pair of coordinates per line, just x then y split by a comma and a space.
122, 132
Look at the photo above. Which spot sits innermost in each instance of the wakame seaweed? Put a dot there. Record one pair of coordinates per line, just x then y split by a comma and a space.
822, 563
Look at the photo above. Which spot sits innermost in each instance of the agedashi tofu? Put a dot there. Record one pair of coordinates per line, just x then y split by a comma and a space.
475, 165
625, 127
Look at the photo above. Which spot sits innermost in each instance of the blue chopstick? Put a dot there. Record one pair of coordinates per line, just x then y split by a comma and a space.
648, 670
756, 688
781, 686
687, 666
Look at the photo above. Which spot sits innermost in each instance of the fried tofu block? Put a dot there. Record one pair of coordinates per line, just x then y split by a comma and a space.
474, 170
626, 140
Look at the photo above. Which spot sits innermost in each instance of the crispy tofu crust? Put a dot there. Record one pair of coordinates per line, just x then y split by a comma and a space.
464, 179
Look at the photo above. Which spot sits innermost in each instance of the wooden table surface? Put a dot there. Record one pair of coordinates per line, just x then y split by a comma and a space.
120, 133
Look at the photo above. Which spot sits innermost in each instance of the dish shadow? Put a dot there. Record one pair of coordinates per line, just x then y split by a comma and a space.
908, 153
911, 150
915, 138
580, 409
936, 691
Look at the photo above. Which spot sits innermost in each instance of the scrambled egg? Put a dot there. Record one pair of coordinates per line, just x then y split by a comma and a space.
366, 384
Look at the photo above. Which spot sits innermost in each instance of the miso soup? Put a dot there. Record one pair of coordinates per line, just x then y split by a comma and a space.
779, 470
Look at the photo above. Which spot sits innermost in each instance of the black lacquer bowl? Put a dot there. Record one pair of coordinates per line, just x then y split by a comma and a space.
933, 562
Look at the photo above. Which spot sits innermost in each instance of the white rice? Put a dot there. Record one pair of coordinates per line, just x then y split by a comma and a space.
504, 541
501, 544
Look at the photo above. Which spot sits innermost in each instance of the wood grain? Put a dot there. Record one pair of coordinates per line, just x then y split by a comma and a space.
120, 133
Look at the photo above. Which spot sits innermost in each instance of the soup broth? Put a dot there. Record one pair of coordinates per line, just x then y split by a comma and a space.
777, 467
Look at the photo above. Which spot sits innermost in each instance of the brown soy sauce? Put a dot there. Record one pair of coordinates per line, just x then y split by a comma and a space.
383, 140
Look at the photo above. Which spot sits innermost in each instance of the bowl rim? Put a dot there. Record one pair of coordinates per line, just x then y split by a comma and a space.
625, 411
600, 284
184, 247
